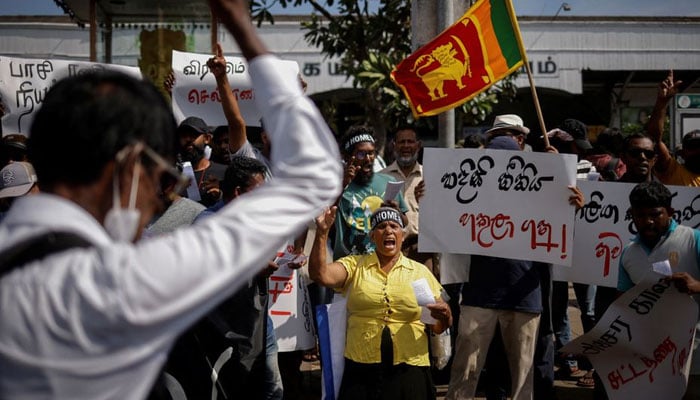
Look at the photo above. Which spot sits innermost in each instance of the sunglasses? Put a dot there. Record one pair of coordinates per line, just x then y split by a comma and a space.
649, 154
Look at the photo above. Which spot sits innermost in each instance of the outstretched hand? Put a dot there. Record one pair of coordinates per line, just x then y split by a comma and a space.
325, 221
668, 87
217, 64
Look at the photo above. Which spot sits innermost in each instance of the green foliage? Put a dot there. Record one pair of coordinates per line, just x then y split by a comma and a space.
369, 44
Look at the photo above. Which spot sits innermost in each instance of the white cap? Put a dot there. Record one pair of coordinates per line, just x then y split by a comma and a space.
509, 122
16, 179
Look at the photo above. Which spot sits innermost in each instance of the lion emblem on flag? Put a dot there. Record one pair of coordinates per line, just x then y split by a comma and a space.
449, 68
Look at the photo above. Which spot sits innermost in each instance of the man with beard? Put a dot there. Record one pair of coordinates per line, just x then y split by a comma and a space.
661, 238
363, 193
668, 169
639, 157
406, 168
194, 136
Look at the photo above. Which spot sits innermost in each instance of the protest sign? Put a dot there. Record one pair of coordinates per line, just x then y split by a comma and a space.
603, 227
641, 345
195, 92
501, 203
332, 323
24, 83
290, 307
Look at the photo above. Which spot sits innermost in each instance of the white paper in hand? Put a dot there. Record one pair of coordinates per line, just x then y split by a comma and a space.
662, 267
424, 296
392, 190
192, 189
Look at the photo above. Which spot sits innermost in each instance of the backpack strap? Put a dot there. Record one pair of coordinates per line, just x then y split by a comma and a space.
38, 247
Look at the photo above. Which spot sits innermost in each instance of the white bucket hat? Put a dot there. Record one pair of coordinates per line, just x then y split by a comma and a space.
509, 122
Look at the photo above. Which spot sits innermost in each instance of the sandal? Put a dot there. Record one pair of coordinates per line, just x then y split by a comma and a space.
310, 356
587, 380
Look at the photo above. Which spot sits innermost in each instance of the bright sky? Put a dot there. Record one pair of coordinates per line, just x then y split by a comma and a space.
522, 7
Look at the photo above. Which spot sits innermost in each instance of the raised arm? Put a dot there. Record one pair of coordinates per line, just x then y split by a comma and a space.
331, 275
229, 248
235, 15
667, 89
236, 124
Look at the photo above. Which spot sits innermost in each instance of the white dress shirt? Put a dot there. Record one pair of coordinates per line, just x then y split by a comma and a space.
97, 323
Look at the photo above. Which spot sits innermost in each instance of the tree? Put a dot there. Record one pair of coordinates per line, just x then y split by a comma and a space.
370, 42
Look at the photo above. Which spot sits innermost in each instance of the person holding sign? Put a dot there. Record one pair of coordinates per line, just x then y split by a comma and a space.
386, 347
510, 294
96, 319
664, 246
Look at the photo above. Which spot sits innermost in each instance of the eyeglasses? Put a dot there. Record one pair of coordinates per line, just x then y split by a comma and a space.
360, 155
170, 176
649, 154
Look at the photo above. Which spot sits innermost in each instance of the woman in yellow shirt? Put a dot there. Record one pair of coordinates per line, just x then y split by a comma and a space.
386, 349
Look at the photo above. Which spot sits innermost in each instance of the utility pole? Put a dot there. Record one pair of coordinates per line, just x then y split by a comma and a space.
428, 19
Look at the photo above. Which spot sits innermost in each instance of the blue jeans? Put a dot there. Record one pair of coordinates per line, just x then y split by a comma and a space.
273, 378
585, 297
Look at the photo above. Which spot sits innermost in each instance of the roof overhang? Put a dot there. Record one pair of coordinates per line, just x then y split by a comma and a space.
115, 11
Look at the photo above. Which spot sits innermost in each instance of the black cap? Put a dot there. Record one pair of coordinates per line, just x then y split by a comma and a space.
578, 131
194, 123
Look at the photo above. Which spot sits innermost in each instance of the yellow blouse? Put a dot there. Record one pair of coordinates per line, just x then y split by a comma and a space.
377, 299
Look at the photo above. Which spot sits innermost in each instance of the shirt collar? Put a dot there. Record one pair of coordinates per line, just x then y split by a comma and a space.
671, 227
48, 212
403, 261
417, 169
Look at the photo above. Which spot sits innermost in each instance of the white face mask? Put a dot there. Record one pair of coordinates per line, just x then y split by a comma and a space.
122, 223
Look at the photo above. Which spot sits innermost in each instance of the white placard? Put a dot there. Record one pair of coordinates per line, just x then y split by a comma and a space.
24, 83
642, 344
501, 203
195, 92
603, 227
290, 308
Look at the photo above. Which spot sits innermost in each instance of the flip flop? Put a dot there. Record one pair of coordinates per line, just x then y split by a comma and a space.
587, 380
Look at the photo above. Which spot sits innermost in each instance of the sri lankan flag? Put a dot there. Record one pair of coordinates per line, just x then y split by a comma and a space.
480, 49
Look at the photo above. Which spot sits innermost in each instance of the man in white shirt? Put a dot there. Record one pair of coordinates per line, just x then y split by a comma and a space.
97, 322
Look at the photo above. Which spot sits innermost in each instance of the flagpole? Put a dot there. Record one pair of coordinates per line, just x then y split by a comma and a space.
533, 89
538, 109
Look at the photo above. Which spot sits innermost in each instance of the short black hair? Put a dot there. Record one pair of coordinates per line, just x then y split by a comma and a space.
474, 141
636, 135
239, 172
85, 120
220, 130
650, 195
